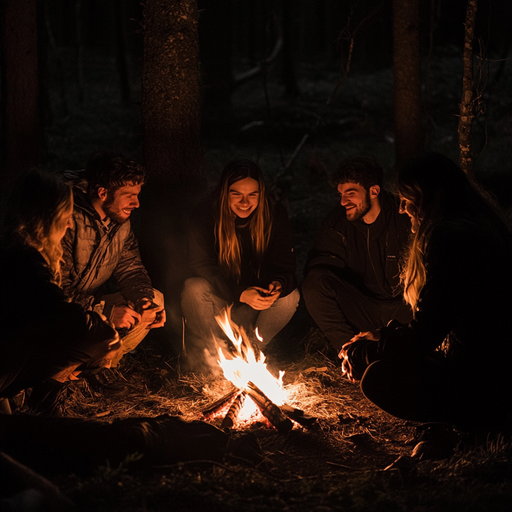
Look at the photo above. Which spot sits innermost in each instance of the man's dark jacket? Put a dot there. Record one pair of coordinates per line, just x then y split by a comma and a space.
366, 255
95, 252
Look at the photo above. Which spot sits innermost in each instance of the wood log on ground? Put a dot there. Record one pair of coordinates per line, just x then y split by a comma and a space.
219, 404
233, 411
269, 409
298, 416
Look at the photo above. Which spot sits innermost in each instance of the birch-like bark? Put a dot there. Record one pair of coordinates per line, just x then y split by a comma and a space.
466, 105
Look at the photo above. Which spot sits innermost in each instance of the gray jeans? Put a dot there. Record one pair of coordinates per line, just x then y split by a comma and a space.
200, 305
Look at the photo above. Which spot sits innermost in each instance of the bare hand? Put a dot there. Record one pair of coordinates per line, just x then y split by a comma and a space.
275, 288
124, 317
346, 367
367, 335
152, 314
258, 298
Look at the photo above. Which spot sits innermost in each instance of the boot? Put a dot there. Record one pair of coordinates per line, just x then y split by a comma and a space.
48, 398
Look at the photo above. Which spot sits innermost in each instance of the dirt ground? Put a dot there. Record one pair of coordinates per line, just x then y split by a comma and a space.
349, 434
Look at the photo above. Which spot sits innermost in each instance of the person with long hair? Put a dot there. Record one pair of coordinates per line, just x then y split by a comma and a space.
450, 363
240, 254
44, 337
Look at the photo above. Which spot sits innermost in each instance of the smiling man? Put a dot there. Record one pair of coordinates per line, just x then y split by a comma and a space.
352, 274
102, 267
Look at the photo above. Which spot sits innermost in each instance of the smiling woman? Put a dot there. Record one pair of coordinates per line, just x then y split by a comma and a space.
240, 254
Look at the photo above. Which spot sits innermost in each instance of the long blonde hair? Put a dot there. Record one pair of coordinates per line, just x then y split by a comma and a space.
260, 223
438, 190
35, 210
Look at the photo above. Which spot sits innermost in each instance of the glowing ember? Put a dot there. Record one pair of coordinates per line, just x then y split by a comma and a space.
246, 366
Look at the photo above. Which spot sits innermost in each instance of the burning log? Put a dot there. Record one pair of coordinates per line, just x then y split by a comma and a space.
269, 409
232, 414
219, 404
298, 416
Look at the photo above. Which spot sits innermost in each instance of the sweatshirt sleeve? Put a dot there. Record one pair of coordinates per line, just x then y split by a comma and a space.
131, 275
329, 247
281, 263
203, 257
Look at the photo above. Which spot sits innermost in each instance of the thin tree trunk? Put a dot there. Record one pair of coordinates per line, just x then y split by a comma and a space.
21, 126
407, 82
466, 106
170, 97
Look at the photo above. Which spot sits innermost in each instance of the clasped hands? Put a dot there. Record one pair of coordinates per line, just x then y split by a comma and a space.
260, 298
126, 317
346, 366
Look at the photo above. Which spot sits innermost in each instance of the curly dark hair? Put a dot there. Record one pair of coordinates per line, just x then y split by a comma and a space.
358, 169
111, 170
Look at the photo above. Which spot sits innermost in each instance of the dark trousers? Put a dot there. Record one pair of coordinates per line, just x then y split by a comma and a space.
427, 390
54, 445
341, 310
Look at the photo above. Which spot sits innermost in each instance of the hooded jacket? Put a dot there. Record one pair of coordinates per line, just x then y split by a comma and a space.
96, 251
366, 255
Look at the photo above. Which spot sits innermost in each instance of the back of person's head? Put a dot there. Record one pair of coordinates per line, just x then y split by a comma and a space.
34, 211
33, 206
112, 170
437, 187
362, 170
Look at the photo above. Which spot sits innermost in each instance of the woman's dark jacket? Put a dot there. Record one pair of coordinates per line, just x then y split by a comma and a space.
42, 333
203, 253
466, 299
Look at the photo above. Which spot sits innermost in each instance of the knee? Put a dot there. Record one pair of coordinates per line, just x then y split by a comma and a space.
158, 298
194, 288
318, 283
291, 301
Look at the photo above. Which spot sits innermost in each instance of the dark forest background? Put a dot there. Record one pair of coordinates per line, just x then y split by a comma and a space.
295, 85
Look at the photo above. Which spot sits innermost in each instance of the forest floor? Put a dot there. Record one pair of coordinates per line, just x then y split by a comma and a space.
355, 457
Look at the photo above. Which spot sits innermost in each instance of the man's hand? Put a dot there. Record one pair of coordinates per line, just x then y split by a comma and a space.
152, 314
124, 317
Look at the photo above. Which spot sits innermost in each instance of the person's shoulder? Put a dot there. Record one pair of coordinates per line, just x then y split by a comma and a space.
20, 259
336, 218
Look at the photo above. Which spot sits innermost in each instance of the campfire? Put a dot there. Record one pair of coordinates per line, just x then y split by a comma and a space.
256, 394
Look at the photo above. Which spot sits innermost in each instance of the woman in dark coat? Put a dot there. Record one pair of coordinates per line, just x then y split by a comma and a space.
451, 363
44, 337
240, 254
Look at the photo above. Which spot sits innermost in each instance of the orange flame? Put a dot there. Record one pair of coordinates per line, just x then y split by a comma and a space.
245, 365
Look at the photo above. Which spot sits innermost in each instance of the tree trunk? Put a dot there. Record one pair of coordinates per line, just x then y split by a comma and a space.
170, 111
170, 95
466, 105
21, 126
407, 83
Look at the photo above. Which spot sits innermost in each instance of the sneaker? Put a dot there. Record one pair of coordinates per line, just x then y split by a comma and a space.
48, 398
